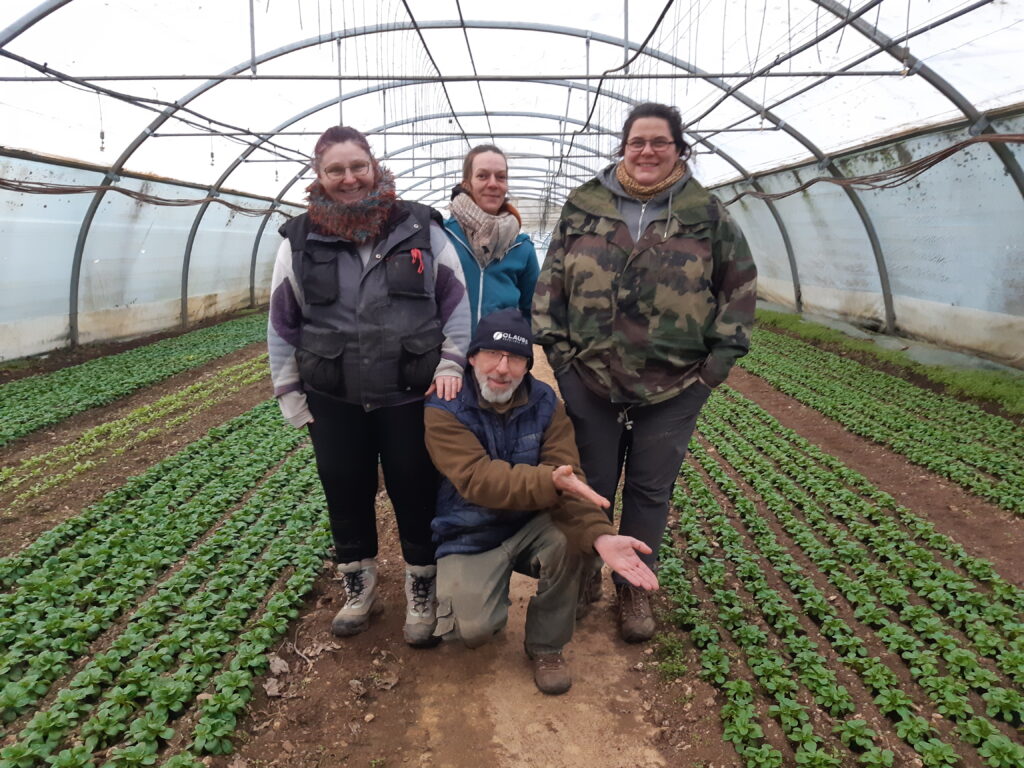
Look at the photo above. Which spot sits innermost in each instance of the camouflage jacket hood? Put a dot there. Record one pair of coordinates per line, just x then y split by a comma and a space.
642, 318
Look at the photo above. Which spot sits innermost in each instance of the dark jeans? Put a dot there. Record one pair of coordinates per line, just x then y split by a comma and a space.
652, 450
347, 441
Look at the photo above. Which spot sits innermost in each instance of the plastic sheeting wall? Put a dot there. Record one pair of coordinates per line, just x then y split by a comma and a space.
952, 241
130, 280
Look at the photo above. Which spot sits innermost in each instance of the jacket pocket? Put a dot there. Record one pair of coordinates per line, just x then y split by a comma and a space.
319, 358
445, 617
320, 277
407, 274
420, 355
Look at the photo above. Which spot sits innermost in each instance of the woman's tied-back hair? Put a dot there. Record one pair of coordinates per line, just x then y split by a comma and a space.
337, 134
668, 114
479, 149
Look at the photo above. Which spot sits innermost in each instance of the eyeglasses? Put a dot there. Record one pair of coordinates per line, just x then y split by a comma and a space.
493, 357
339, 171
658, 145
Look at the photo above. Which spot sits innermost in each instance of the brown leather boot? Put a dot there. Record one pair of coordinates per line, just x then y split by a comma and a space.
551, 673
636, 622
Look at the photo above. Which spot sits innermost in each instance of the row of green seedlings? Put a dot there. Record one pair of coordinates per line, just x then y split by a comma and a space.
203, 631
38, 401
991, 623
777, 673
947, 693
93, 448
73, 582
951, 413
990, 620
978, 451
834, 480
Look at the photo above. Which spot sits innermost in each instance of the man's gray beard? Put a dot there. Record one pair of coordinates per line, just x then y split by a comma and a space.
488, 394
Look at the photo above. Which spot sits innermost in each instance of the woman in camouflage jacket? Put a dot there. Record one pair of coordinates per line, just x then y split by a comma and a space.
645, 301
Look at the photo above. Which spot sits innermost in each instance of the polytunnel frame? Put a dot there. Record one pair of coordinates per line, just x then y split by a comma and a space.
846, 15
111, 174
784, 233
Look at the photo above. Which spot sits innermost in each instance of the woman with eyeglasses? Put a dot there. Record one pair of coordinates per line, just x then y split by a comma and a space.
498, 259
645, 301
368, 315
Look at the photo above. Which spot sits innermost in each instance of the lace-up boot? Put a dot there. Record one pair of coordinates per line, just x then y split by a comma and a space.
360, 578
636, 622
421, 606
551, 673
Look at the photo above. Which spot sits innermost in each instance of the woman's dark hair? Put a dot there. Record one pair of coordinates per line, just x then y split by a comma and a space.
337, 134
668, 114
479, 149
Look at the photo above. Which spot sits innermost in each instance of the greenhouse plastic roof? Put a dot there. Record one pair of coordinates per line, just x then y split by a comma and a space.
232, 94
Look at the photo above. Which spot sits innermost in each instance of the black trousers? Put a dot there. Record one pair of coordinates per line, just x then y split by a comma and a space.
649, 440
348, 441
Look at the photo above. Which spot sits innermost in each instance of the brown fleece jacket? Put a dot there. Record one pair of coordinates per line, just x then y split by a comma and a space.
496, 484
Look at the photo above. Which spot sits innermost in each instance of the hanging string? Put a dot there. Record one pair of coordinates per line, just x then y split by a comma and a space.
103, 135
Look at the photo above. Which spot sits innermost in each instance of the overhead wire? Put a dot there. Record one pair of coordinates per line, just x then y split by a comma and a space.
437, 69
600, 83
472, 61
933, 23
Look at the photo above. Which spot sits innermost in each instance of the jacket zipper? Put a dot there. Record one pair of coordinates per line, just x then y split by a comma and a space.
640, 224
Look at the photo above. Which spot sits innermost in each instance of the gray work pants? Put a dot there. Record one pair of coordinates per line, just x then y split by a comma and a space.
650, 440
472, 590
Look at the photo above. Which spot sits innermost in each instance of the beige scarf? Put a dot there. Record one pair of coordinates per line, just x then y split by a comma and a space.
639, 191
490, 236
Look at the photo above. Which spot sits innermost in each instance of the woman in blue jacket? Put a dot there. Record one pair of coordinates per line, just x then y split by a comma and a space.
498, 259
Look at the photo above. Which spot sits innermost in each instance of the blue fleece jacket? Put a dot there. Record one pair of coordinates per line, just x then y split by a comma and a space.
506, 282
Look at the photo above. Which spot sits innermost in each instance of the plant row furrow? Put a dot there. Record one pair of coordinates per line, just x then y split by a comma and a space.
962, 418
786, 478
890, 697
791, 453
38, 401
67, 461
995, 473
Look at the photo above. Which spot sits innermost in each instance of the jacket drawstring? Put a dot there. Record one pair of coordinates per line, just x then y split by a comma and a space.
623, 418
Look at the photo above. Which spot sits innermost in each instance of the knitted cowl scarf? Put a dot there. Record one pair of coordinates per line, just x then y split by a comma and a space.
640, 192
490, 236
356, 222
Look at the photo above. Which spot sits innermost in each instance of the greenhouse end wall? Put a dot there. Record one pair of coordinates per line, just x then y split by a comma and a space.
131, 270
952, 242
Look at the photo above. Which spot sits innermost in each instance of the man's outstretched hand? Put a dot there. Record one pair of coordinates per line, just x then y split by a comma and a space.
619, 552
566, 481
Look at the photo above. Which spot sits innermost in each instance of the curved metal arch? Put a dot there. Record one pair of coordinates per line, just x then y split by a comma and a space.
168, 112
214, 189
979, 123
38, 13
810, 146
776, 216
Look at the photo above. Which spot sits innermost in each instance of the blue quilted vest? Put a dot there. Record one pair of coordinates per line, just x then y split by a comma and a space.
462, 528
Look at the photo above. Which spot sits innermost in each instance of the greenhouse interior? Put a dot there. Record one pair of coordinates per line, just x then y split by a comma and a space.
840, 579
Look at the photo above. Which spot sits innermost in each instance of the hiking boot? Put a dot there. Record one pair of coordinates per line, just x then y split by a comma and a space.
590, 590
636, 623
421, 606
551, 673
360, 577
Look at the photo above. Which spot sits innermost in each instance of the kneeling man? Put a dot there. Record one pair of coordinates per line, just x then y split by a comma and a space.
513, 498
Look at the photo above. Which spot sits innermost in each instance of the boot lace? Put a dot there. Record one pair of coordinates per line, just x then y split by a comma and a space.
421, 593
354, 584
550, 661
634, 603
